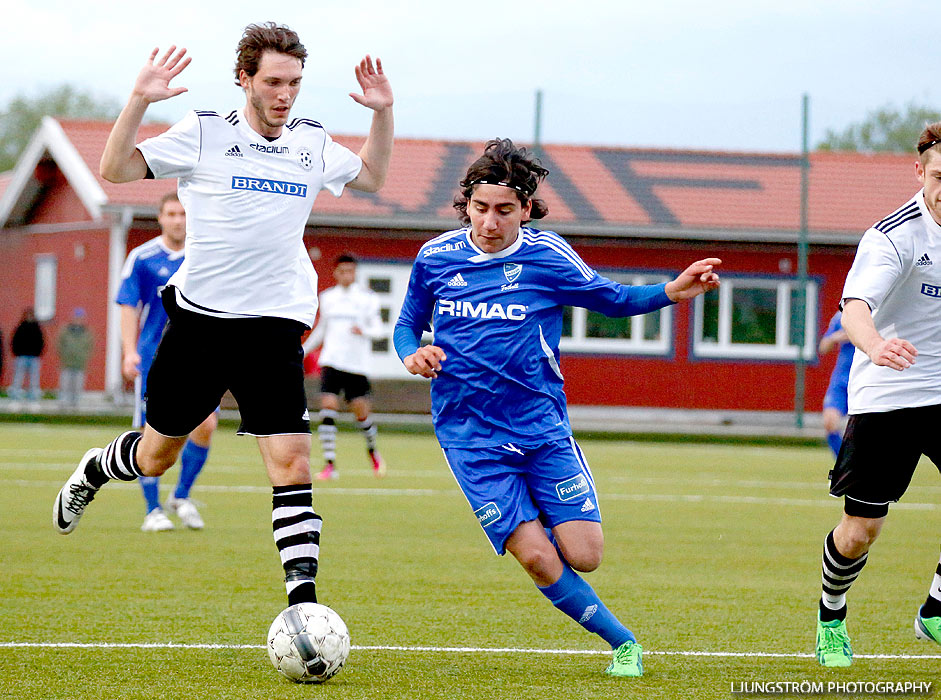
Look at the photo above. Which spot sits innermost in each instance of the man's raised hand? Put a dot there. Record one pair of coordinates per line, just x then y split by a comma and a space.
377, 92
153, 82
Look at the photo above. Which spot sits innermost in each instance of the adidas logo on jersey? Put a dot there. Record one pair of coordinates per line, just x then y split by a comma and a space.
457, 281
234, 151
924, 261
587, 506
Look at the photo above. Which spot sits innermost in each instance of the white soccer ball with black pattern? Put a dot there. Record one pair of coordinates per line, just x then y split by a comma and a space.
308, 643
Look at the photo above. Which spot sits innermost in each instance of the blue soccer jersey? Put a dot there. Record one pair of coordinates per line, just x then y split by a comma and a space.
498, 317
836, 396
145, 274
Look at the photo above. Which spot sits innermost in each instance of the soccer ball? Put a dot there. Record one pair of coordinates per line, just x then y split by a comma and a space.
308, 643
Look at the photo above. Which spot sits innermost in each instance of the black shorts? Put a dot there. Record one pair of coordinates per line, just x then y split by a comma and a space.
335, 381
260, 360
879, 454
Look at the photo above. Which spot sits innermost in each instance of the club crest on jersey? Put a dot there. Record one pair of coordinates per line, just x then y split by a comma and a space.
305, 159
511, 271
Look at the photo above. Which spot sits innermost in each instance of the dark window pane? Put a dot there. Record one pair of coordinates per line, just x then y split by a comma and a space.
567, 322
384, 314
380, 345
600, 326
710, 316
798, 319
754, 315
652, 326
380, 285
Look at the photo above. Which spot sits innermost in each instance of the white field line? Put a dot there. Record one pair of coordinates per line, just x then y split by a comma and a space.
635, 497
452, 650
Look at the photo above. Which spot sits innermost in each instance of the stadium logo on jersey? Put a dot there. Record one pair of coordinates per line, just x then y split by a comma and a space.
929, 290
234, 152
305, 159
511, 271
483, 310
572, 488
487, 514
457, 281
264, 148
257, 184
443, 248
924, 261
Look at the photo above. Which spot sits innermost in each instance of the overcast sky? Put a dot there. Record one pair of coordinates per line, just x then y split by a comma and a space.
723, 75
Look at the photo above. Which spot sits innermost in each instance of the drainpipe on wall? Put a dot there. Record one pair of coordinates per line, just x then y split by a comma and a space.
117, 251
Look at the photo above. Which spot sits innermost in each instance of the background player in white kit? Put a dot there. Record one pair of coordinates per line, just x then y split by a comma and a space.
892, 314
349, 321
247, 290
146, 271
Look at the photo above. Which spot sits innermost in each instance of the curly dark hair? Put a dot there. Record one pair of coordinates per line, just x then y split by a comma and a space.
503, 163
258, 38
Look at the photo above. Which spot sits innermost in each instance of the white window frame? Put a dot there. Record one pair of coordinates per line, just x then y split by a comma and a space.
44, 289
782, 349
387, 365
579, 342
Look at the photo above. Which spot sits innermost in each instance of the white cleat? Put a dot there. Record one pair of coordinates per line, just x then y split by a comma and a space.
186, 511
157, 521
74, 496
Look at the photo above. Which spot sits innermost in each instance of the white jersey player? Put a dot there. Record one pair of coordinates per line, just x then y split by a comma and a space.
892, 314
349, 322
245, 293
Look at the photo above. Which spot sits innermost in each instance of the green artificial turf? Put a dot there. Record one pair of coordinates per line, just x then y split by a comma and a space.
710, 548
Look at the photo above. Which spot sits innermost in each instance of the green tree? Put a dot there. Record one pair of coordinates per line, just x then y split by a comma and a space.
887, 129
22, 116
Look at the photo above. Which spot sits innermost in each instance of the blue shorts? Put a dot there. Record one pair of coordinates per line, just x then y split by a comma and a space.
512, 484
836, 397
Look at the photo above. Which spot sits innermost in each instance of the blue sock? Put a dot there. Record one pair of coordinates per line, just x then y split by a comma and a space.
834, 440
191, 463
572, 595
150, 485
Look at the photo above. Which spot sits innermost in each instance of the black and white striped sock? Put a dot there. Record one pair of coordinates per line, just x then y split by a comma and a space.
297, 534
369, 432
839, 572
119, 458
327, 431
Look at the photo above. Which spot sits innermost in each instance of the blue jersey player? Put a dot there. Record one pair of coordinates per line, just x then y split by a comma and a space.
835, 400
494, 292
146, 271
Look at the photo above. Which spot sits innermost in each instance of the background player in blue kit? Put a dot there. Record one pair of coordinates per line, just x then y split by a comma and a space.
145, 274
494, 293
834, 401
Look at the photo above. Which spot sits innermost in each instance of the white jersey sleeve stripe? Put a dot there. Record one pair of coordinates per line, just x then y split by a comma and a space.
562, 245
585, 271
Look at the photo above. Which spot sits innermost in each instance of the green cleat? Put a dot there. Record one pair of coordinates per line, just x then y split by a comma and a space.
627, 660
833, 644
928, 628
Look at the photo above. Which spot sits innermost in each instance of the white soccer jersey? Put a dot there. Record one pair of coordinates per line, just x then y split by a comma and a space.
247, 201
342, 309
897, 271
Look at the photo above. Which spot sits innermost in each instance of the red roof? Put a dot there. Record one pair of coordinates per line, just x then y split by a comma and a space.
606, 186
